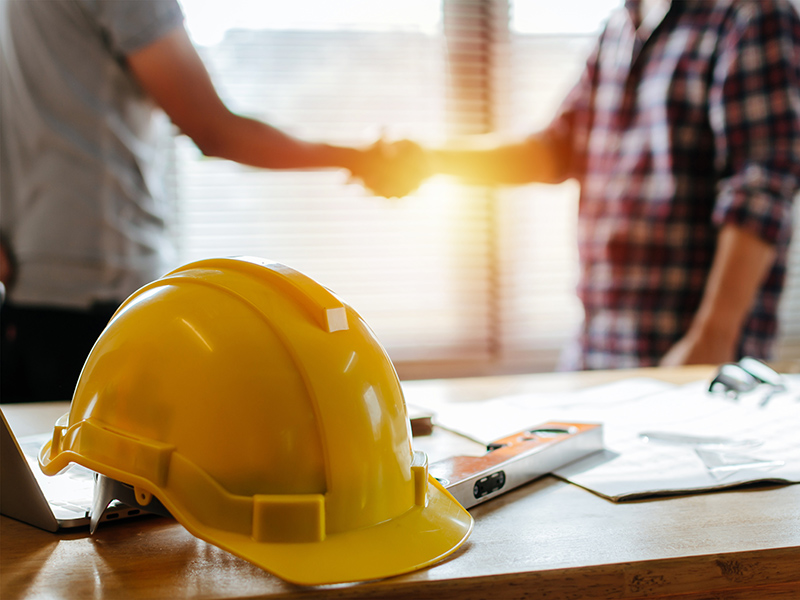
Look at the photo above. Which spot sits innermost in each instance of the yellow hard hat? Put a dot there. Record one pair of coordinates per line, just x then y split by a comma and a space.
266, 417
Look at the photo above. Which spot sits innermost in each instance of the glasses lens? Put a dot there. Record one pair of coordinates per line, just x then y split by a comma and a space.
733, 379
761, 371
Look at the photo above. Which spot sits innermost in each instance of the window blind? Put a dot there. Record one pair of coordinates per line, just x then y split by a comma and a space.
541, 311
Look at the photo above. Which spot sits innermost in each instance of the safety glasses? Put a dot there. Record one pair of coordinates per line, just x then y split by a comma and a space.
734, 379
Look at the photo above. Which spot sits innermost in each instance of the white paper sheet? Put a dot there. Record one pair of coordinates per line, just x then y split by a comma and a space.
634, 467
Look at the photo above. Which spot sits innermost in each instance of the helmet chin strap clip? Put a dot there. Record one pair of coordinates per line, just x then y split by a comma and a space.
106, 490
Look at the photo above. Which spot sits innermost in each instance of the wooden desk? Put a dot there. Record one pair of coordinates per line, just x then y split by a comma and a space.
548, 539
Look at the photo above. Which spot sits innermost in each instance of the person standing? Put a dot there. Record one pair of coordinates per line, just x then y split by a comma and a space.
84, 86
684, 134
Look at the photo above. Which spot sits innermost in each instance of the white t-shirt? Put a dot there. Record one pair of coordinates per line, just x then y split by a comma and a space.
81, 188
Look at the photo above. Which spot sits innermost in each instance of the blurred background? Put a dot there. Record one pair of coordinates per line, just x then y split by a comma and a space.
454, 280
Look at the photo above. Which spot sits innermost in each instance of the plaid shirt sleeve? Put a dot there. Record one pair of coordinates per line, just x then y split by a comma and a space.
755, 116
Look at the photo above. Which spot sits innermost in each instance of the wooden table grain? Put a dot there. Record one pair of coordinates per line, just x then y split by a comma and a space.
545, 540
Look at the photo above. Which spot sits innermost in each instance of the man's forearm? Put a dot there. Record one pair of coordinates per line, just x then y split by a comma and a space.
741, 263
258, 144
172, 73
481, 160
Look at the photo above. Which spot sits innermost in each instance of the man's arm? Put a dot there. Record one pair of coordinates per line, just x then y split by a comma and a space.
483, 161
549, 156
173, 74
741, 262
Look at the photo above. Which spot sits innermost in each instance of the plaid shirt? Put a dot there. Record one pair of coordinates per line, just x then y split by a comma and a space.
689, 123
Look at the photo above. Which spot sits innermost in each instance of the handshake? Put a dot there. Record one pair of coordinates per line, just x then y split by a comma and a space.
392, 170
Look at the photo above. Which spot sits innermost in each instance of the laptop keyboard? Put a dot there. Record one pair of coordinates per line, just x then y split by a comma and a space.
71, 489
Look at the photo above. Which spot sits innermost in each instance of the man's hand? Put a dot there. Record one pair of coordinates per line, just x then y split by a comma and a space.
392, 170
704, 348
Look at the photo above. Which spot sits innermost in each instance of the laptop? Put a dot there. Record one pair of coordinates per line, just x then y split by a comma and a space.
60, 502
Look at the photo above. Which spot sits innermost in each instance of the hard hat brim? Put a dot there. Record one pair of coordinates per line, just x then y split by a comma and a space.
419, 538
